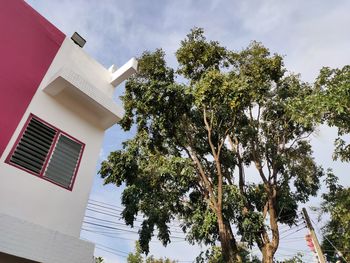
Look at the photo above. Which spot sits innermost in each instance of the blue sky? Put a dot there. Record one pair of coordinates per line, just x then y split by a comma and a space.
310, 34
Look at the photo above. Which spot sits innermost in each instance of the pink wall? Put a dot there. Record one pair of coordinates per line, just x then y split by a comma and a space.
28, 44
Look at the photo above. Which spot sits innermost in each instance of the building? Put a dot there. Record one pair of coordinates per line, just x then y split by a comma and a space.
55, 104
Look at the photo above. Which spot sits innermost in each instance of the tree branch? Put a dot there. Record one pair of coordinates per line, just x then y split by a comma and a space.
235, 147
217, 162
300, 138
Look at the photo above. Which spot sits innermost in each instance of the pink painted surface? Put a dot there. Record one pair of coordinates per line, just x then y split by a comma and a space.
28, 44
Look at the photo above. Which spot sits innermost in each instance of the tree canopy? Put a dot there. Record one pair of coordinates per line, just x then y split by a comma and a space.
218, 150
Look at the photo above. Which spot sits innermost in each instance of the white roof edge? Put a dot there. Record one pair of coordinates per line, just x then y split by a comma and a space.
124, 72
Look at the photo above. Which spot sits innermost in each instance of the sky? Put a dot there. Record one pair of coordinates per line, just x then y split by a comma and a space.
310, 34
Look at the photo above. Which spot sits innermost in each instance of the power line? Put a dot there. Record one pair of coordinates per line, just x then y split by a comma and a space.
292, 228
96, 210
293, 249
114, 253
104, 220
110, 250
120, 253
291, 214
292, 241
109, 227
116, 228
111, 215
294, 238
116, 236
292, 233
104, 203
105, 207
117, 208
172, 228
106, 234
101, 212
104, 212
113, 249
122, 224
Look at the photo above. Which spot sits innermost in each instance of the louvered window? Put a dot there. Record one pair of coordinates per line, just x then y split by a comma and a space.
47, 152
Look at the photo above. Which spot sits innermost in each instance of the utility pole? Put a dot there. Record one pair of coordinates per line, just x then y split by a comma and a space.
314, 237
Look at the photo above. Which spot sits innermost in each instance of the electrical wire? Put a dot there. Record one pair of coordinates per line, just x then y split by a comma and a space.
116, 254
116, 236
292, 228
294, 238
123, 224
116, 228
109, 210
172, 228
107, 234
103, 225
104, 203
292, 233
113, 249
112, 207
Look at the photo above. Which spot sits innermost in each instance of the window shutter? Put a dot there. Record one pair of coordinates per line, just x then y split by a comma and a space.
33, 147
47, 152
64, 161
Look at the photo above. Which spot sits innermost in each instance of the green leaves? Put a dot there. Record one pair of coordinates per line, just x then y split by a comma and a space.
195, 140
136, 257
196, 55
327, 102
155, 186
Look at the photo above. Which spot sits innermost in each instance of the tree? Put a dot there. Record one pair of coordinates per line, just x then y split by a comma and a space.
214, 255
137, 257
296, 259
99, 260
195, 140
336, 232
329, 102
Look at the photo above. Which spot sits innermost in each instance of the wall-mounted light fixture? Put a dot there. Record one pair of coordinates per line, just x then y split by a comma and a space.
78, 39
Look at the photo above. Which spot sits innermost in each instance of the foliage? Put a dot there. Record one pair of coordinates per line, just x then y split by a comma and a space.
137, 257
296, 259
196, 139
336, 233
99, 260
214, 255
329, 102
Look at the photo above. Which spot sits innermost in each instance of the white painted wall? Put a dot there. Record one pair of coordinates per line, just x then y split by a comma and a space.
30, 198
39, 244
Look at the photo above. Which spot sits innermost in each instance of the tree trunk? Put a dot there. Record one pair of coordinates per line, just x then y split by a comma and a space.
270, 248
229, 247
267, 254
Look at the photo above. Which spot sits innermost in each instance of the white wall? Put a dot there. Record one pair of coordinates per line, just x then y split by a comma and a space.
34, 199
39, 244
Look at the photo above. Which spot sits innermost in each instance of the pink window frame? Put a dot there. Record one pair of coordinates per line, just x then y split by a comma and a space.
49, 154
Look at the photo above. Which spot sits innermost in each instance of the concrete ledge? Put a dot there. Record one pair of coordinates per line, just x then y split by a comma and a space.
29, 241
123, 73
99, 103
